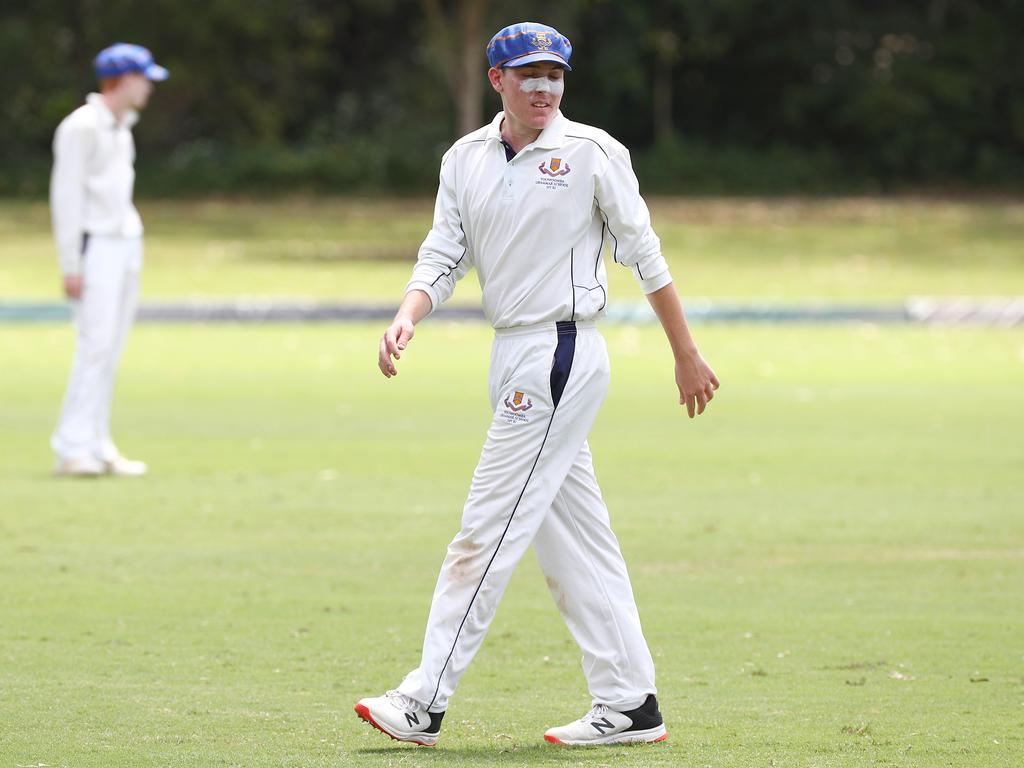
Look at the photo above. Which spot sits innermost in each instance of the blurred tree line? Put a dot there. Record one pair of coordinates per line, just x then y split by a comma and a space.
363, 95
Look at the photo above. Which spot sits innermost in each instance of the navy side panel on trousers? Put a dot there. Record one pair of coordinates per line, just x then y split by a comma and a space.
561, 365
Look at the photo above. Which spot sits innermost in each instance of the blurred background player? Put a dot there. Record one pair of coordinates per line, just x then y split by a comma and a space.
99, 246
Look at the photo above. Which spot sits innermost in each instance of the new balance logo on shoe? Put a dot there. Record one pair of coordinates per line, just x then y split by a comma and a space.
604, 725
399, 717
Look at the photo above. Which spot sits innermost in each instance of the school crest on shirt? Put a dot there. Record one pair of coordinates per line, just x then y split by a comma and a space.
552, 173
554, 167
516, 406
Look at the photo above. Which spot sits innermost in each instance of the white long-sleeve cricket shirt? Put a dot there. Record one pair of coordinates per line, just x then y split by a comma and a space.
92, 180
535, 227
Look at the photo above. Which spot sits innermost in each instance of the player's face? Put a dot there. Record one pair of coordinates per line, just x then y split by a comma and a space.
532, 93
137, 90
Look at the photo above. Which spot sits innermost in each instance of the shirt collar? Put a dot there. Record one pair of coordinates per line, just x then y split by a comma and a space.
107, 118
494, 129
550, 138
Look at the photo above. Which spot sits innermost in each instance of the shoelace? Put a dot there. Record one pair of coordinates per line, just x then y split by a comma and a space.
402, 701
596, 712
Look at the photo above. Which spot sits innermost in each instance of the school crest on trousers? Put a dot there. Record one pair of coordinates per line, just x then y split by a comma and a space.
516, 405
515, 402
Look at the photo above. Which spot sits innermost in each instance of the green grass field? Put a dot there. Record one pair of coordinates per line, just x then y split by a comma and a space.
829, 564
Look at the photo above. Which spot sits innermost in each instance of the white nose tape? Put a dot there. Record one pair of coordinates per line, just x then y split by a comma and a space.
541, 85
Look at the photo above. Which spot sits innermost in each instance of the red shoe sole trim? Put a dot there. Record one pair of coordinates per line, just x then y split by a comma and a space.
364, 714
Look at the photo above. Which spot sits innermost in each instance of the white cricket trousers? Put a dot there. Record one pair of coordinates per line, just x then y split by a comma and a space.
535, 484
103, 316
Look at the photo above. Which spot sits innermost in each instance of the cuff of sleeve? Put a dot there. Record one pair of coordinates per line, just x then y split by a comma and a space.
427, 288
655, 282
70, 264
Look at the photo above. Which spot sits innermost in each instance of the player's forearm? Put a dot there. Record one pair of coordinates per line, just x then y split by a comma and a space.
415, 306
668, 308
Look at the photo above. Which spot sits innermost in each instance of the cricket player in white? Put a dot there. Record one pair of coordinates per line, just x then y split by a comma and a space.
532, 201
99, 246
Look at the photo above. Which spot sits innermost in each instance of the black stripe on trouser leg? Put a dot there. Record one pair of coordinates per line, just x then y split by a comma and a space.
565, 350
561, 365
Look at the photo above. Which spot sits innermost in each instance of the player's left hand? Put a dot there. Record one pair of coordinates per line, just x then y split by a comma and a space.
697, 383
392, 344
73, 287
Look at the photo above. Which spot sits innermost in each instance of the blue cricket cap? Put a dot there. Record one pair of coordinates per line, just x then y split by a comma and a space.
122, 58
527, 42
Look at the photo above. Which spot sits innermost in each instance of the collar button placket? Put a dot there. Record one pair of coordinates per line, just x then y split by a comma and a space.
508, 181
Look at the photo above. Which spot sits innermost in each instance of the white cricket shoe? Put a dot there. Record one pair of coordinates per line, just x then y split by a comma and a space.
401, 718
79, 466
602, 725
123, 467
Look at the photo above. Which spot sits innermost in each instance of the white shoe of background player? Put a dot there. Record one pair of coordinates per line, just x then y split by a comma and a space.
602, 725
401, 718
123, 467
79, 466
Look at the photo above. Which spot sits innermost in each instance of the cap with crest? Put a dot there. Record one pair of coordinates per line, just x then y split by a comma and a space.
528, 42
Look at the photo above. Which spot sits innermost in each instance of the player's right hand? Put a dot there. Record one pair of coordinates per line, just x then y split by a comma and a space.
392, 343
73, 287
696, 382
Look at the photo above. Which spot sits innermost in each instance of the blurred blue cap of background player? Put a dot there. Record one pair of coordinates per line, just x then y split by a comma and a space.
527, 42
122, 58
